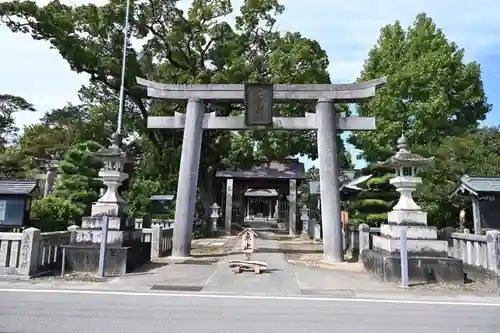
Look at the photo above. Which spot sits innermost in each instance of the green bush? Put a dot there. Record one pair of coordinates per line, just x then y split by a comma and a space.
53, 213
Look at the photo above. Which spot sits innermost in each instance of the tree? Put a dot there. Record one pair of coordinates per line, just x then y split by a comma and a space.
53, 213
9, 105
377, 198
431, 92
193, 47
476, 153
79, 170
12, 164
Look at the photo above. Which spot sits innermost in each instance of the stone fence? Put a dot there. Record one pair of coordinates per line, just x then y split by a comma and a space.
161, 242
479, 253
33, 253
160, 239
139, 223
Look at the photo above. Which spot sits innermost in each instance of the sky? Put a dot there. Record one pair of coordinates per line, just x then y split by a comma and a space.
347, 30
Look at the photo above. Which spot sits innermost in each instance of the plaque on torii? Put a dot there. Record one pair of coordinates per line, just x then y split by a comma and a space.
259, 104
248, 247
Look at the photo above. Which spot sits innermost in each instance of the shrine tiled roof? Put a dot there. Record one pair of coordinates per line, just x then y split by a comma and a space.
21, 187
287, 169
475, 185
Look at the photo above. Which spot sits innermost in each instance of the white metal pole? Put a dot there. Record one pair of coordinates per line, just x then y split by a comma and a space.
404, 259
124, 65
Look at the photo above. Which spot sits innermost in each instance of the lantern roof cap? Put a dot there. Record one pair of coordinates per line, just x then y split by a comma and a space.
404, 157
114, 150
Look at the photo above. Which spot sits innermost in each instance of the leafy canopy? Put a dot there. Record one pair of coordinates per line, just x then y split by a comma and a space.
431, 92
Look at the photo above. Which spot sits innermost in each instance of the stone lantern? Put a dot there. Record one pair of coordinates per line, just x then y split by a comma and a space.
51, 174
304, 217
112, 175
427, 256
406, 164
215, 216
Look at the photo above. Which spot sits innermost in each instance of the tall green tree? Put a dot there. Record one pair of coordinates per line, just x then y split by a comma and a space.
475, 153
79, 170
196, 46
431, 93
9, 105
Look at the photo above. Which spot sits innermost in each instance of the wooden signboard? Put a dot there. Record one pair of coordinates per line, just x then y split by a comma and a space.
259, 104
248, 246
248, 240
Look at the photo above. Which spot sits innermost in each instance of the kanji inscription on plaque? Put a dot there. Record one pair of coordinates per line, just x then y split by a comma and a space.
258, 104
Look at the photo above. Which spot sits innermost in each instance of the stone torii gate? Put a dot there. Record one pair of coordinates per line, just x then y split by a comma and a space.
259, 100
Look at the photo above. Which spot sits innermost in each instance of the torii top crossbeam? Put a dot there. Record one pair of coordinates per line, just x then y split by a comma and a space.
338, 93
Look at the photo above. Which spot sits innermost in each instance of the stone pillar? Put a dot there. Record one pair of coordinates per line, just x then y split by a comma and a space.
276, 209
329, 174
476, 216
49, 180
270, 209
292, 208
156, 242
363, 240
188, 179
247, 213
229, 206
493, 248
28, 259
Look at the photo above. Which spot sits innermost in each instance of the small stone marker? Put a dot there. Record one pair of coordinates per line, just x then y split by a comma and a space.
248, 247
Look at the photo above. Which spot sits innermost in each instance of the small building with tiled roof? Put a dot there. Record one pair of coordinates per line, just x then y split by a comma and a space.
484, 192
14, 202
268, 190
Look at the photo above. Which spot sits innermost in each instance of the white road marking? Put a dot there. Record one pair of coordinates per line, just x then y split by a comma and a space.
257, 297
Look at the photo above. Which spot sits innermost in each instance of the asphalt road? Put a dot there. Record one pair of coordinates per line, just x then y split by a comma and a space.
30, 312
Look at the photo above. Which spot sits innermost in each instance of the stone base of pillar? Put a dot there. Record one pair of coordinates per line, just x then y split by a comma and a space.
428, 259
125, 247
421, 269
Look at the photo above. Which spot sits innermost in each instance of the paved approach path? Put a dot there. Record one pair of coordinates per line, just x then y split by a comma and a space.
53, 312
279, 279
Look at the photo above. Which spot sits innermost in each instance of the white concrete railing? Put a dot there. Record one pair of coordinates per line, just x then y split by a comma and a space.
10, 251
49, 249
139, 223
472, 250
30, 252
160, 239
161, 242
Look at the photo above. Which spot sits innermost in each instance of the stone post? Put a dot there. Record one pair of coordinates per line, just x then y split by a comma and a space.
364, 239
73, 230
493, 247
329, 173
155, 242
229, 207
28, 259
292, 206
476, 216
